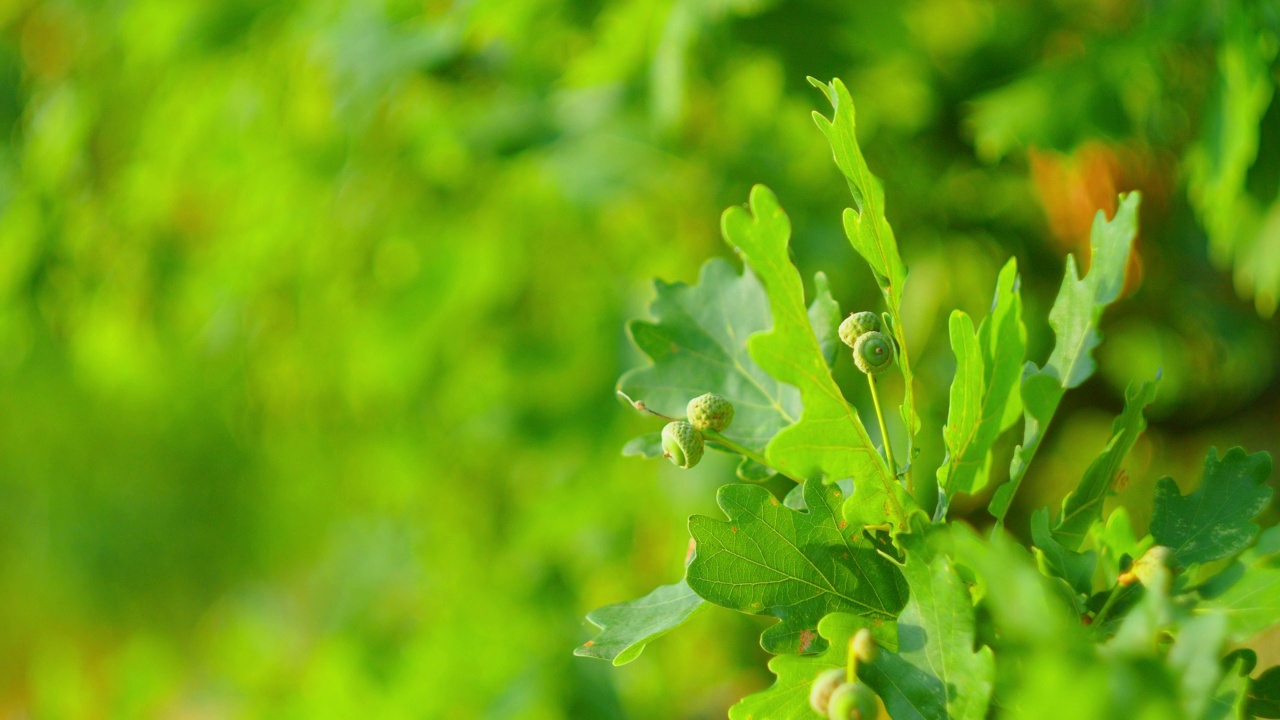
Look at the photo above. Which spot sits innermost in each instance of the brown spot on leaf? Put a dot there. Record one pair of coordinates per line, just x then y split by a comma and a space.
807, 637
589, 643
734, 529
843, 524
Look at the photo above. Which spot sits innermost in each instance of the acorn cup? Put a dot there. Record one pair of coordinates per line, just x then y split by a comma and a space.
857, 325
682, 444
710, 412
874, 353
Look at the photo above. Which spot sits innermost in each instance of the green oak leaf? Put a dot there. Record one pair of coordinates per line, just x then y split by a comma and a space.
824, 316
788, 697
627, 627
1056, 560
768, 559
1084, 505
1214, 521
829, 441
1074, 319
1231, 699
1263, 698
1248, 590
698, 344
868, 228
935, 672
985, 395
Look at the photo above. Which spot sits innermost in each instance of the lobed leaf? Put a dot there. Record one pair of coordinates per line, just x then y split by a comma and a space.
1214, 521
1074, 319
868, 229
627, 627
1248, 591
1083, 506
768, 559
985, 395
935, 673
829, 440
788, 697
1057, 560
697, 343
1264, 695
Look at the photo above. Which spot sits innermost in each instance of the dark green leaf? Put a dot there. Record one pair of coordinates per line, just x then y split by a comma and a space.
1264, 695
1075, 568
626, 627
768, 559
1074, 319
1214, 521
1083, 507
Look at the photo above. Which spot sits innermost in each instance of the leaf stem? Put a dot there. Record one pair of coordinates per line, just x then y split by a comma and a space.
851, 663
1106, 607
884, 430
712, 436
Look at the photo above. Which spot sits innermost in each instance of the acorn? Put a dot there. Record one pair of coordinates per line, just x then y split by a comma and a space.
682, 444
825, 684
710, 411
853, 701
873, 353
857, 325
863, 646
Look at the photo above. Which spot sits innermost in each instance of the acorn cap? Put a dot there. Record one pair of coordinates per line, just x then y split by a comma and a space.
682, 444
874, 353
857, 325
710, 411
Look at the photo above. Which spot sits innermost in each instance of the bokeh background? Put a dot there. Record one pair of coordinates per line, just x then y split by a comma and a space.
311, 312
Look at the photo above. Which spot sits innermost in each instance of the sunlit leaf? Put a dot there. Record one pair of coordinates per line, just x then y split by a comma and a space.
1074, 319
627, 627
868, 229
768, 559
985, 397
830, 441
788, 697
936, 672
1083, 506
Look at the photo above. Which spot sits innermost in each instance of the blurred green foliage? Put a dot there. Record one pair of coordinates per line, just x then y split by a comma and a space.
311, 312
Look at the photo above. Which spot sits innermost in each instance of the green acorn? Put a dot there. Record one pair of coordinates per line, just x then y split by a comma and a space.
873, 353
823, 685
857, 325
710, 411
853, 701
863, 646
682, 443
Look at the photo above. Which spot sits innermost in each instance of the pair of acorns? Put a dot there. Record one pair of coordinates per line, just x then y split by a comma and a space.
873, 351
833, 697
682, 440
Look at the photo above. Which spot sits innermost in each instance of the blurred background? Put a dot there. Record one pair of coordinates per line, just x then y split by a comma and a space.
311, 312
